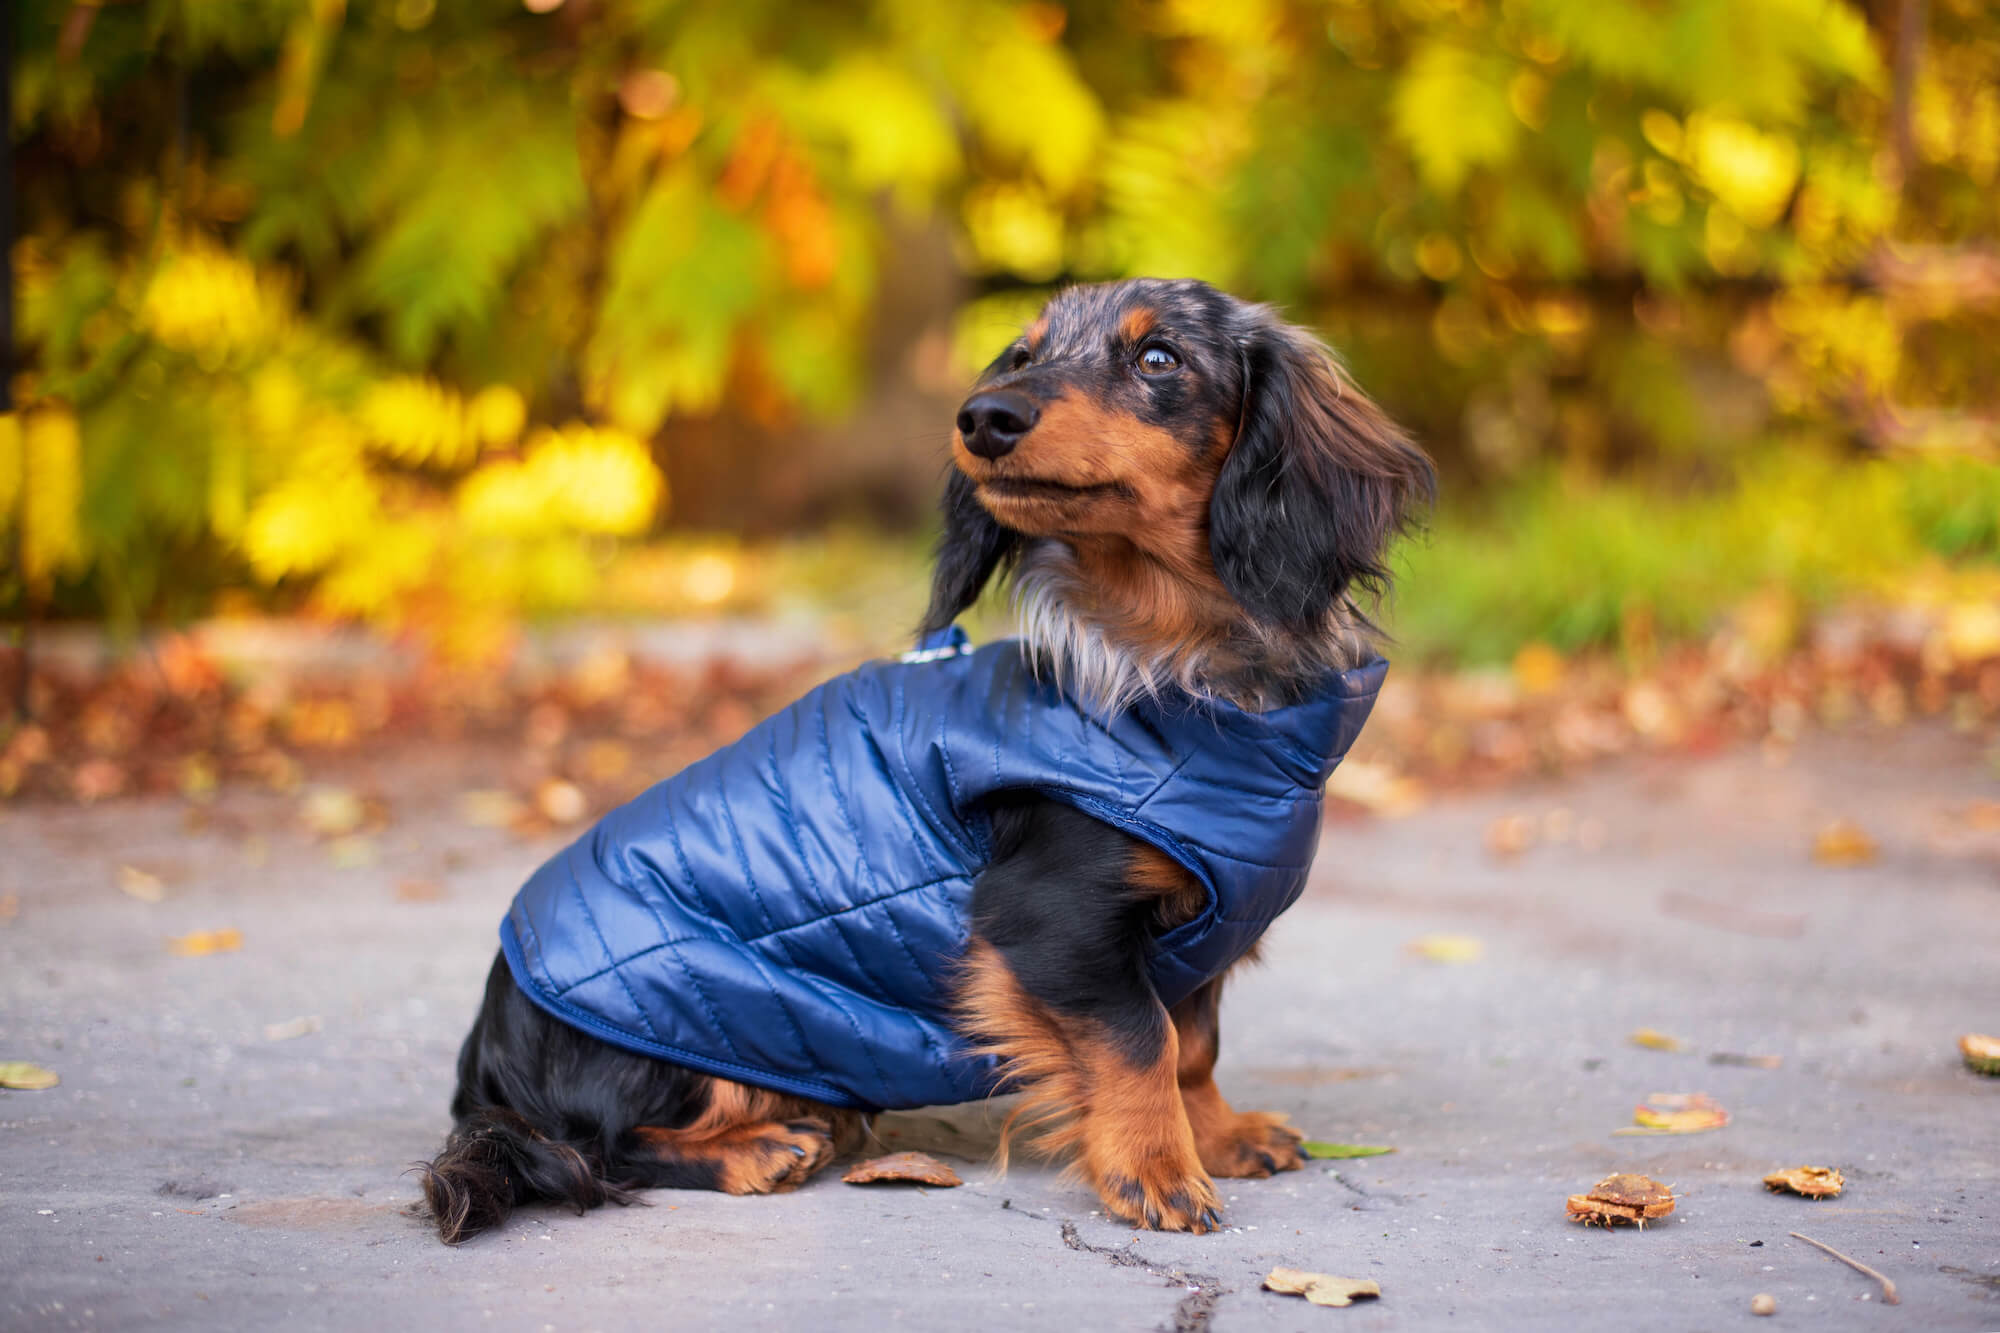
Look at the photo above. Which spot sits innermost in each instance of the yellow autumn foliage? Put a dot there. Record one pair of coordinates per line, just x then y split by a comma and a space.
42, 452
580, 478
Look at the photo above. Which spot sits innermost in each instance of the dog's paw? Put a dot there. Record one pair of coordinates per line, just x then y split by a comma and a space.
773, 1157
1162, 1200
1250, 1144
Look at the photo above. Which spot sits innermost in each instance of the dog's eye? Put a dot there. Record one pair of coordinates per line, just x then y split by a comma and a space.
1022, 356
1157, 360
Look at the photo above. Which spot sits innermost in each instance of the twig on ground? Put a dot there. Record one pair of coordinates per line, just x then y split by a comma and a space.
1888, 1287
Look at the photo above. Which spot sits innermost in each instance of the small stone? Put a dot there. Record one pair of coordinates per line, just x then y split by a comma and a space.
1763, 1303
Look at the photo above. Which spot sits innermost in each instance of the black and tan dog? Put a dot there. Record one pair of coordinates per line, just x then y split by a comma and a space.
1189, 499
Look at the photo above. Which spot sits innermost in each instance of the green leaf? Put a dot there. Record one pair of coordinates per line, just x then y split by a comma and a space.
1339, 1151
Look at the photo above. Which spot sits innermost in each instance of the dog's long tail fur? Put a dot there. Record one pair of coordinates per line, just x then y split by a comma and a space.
494, 1160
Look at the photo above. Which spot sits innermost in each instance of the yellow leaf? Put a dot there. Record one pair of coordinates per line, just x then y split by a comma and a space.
1656, 1041
1448, 948
21, 1075
1749, 170
1538, 669
49, 469
1451, 107
1844, 843
203, 942
140, 884
1320, 1288
1677, 1113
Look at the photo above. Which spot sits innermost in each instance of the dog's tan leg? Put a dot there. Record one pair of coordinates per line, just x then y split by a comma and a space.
1109, 1099
1232, 1143
750, 1141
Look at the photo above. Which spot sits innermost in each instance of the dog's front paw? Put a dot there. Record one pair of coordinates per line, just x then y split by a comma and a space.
1162, 1199
1248, 1144
773, 1157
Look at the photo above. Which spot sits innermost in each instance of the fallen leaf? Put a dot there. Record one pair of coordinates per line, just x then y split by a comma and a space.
291, 1028
1376, 787
1448, 948
21, 1075
141, 884
332, 812
419, 891
561, 802
206, 942
1677, 1113
1844, 843
490, 808
351, 852
1510, 835
1538, 668
1982, 1053
1320, 1288
1746, 1061
96, 779
1814, 1182
1654, 1040
10, 907
1338, 1151
918, 1168
1622, 1198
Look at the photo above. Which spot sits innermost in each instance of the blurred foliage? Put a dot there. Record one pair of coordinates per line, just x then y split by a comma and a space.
394, 306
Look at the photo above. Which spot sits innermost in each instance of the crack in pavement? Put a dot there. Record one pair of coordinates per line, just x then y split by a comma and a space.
1192, 1312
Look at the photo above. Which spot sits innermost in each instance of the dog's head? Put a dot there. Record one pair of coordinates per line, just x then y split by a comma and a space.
1193, 484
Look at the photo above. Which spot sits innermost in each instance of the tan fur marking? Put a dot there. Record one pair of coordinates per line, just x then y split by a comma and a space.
1137, 323
1231, 1144
1177, 895
1123, 1125
748, 1134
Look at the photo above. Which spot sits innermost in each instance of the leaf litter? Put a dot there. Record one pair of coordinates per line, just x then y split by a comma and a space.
1676, 1113
915, 1168
1812, 1182
1321, 1288
1620, 1200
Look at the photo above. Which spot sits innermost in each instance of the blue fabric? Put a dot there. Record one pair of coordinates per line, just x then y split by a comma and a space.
787, 911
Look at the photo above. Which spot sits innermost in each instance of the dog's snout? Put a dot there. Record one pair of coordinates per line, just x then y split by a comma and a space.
993, 422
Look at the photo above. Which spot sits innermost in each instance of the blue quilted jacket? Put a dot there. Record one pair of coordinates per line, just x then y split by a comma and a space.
786, 912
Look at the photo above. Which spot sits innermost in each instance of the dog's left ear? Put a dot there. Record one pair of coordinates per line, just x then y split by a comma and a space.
973, 546
1316, 486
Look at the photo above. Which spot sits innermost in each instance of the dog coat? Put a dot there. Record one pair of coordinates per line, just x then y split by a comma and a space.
787, 912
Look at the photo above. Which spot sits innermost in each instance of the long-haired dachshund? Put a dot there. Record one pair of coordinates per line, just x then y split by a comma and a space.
1026, 866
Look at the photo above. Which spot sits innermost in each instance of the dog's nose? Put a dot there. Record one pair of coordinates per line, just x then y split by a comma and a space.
993, 422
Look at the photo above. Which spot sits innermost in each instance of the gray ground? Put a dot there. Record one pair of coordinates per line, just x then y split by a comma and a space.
192, 1171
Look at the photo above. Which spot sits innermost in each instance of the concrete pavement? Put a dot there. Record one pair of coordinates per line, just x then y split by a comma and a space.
199, 1168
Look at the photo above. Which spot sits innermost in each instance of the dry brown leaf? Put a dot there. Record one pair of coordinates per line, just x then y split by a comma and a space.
1844, 843
1677, 1113
1622, 1198
1814, 1182
1320, 1288
1654, 1040
1448, 948
1981, 1052
206, 942
141, 884
21, 1075
917, 1168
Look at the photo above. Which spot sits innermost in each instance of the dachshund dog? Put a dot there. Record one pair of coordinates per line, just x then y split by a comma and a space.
1192, 505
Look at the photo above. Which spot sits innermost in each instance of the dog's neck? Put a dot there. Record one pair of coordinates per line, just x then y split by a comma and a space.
1113, 624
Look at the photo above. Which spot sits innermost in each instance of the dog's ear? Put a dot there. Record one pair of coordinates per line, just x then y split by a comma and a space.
1317, 484
972, 547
